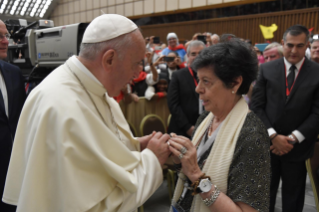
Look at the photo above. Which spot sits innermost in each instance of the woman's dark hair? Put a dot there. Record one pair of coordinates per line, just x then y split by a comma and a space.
228, 61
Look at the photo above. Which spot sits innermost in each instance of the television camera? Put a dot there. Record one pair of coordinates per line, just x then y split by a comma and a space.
39, 47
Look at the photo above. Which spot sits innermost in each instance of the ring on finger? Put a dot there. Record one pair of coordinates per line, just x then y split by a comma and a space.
180, 156
183, 150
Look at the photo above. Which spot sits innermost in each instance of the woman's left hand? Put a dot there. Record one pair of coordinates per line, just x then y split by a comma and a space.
188, 159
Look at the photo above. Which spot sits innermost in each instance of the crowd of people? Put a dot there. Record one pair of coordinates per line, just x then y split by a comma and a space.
232, 135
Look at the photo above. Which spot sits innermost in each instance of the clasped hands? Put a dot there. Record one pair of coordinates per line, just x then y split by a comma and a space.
281, 146
180, 147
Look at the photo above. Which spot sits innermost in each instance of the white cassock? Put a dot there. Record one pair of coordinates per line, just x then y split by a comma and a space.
66, 159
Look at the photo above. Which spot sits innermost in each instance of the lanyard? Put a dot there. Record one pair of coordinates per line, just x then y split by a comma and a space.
191, 71
287, 89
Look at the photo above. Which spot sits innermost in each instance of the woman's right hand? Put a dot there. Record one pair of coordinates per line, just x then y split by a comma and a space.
189, 159
175, 158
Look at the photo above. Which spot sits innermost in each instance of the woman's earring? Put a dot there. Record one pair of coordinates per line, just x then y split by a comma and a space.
233, 92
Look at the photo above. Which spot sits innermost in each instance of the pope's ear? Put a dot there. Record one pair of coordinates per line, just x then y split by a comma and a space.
108, 58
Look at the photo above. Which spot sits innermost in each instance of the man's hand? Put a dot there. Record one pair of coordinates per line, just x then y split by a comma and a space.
149, 56
145, 139
158, 145
280, 145
159, 60
152, 39
190, 131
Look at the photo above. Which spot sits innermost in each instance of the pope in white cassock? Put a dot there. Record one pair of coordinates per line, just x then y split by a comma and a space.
73, 149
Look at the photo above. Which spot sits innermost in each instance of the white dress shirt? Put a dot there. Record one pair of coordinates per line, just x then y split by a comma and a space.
298, 65
4, 93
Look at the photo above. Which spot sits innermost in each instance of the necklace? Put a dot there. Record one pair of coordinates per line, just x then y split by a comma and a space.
210, 128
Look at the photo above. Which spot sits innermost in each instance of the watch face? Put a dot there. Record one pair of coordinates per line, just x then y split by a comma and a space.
205, 185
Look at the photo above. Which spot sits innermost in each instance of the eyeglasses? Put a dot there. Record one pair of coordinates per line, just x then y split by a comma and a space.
7, 36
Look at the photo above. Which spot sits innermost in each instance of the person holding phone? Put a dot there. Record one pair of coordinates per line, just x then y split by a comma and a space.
174, 45
154, 45
170, 64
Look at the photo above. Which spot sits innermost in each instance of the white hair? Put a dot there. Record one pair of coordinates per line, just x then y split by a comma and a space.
91, 51
194, 43
277, 45
216, 36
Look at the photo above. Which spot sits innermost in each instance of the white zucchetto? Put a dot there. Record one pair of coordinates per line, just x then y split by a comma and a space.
106, 27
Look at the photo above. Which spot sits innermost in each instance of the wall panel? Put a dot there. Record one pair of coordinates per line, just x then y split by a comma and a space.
142, 8
128, 9
138, 8
172, 5
246, 27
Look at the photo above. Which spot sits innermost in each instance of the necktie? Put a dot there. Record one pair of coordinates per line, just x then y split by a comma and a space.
291, 76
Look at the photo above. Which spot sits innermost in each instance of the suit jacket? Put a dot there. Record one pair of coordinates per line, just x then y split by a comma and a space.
299, 111
183, 102
16, 97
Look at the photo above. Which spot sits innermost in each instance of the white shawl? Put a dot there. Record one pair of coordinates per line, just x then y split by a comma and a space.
221, 155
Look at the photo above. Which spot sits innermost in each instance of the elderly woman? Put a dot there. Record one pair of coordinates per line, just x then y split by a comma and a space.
226, 166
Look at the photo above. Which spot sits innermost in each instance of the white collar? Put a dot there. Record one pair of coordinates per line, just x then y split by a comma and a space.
170, 71
298, 65
78, 63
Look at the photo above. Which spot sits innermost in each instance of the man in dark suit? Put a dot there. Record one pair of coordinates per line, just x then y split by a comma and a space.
183, 101
286, 99
12, 97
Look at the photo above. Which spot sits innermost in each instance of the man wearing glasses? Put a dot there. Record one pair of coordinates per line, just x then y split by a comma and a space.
12, 97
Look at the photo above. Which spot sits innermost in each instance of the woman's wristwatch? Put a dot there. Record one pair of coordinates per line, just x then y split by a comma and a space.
205, 185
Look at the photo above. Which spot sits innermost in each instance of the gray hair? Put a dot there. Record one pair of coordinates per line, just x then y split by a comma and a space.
216, 36
194, 43
91, 51
273, 45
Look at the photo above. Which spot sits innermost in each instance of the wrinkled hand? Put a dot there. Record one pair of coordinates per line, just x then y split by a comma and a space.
280, 145
145, 139
189, 159
175, 158
159, 147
